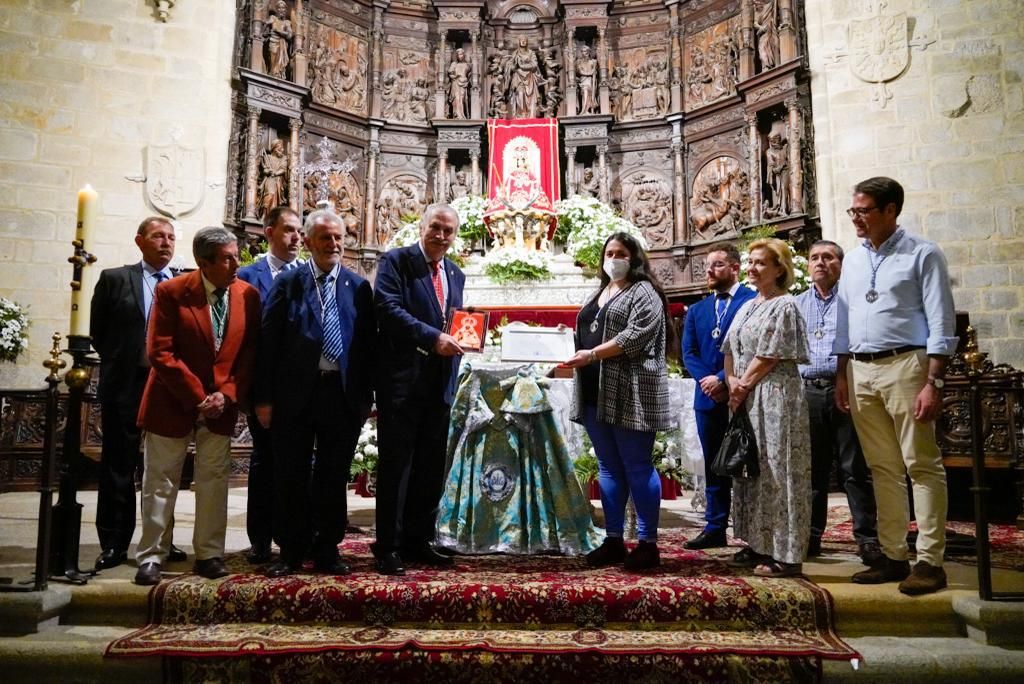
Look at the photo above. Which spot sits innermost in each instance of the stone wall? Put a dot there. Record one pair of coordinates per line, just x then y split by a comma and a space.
85, 88
949, 127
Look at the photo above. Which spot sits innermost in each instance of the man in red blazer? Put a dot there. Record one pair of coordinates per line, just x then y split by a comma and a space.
202, 341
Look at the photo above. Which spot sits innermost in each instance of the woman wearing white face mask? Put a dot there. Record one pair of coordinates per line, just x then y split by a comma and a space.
622, 395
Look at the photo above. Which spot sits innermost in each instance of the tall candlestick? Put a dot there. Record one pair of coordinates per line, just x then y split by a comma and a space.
87, 200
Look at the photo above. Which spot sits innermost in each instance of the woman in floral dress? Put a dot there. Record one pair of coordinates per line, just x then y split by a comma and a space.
771, 512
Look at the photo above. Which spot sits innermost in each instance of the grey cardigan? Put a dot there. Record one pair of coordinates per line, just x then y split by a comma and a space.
633, 387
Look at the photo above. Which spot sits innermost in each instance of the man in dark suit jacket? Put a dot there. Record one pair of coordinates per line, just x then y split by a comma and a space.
705, 327
202, 340
120, 308
314, 387
283, 229
416, 288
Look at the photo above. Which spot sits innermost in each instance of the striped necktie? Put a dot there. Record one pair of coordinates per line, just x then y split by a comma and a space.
332, 344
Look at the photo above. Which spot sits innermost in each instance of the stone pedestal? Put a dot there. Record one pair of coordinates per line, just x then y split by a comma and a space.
569, 286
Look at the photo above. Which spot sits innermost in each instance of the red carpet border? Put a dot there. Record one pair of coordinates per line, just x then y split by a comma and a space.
540, 614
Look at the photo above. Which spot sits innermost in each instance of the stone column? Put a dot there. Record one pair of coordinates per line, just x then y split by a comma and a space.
755, 169
675, 59
570, 170
442, 176
787, 32
299, 56
570, 72
294, 182
256, 62
440, 109
474, 74
474, 160
602, 163
796, 171
251, 166
370, 210
602, 63
376, 50
747, 48
678, 173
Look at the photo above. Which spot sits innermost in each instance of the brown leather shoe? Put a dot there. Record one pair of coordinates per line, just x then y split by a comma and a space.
886, 570
925, 579
210, 568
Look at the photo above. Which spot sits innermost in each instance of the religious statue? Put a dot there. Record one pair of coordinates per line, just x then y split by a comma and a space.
767, 28
777, 167
524, 80
419, 94
586, 80
648, 206
273, 185
387, 217
719, 202
521, 187
498, 109
319, 74
389, 86
349, 87
458, 85
459, 187
590, 186
698, 79
278, 34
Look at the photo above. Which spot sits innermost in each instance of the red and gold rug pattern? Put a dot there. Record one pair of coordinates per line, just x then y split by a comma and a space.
503, 605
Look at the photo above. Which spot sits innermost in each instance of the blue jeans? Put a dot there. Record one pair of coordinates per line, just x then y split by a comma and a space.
625, 465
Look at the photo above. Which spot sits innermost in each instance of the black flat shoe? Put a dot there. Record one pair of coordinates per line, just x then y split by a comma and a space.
211, 568
332, 566
707, 540
390, 563
282, 568
110, 558
611, 552
644, 557
176, 555
148, 574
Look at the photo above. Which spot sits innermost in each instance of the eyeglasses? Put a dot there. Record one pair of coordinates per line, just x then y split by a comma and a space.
715, 265
859, 212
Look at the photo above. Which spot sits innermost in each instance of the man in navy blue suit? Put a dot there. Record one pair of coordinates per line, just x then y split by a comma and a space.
416, 289
283, 229
314, 390
706, 324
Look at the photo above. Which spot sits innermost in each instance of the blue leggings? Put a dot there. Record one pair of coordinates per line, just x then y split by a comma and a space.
625, 465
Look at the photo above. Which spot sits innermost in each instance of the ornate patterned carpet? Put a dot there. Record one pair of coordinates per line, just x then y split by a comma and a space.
535, 618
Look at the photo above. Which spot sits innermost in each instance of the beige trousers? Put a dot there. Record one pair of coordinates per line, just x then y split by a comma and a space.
164, 459
882, 396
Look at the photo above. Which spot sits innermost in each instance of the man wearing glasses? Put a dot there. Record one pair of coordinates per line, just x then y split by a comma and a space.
894, 336
705, 327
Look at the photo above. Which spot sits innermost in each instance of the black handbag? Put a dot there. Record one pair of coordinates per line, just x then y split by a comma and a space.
737, 457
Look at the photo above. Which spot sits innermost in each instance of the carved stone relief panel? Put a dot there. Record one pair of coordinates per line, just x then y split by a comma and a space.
719, 199
639, 83
337, 69
403, 194
645, 198
711, 64
405, 84
343, 189
665, 271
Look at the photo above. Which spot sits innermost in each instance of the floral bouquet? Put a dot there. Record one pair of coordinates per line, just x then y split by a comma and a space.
471, 218
409, 234
13, 330
667, 459
366, 455
586, 223
514, 264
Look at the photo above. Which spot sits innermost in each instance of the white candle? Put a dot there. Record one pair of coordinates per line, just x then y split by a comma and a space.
87, 201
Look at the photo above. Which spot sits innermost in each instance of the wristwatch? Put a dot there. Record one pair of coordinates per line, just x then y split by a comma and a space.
937, 383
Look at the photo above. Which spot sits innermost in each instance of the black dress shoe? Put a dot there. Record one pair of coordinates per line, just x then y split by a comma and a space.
814, 547
390, 563
612, 551
332, 566
426, 555
258, 554
110, 558
148, 574
176, 555
211, 568
706, 540
644, 557
282, 568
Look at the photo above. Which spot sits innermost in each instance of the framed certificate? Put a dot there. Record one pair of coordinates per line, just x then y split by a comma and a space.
469, 328
525, 343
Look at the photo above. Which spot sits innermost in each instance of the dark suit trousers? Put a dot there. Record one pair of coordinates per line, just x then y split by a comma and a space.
834, 438
412, 436
312, 456
711, 426
119, 461
260, 503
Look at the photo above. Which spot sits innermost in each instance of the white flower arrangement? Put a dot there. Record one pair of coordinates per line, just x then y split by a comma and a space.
364, 460
471, 217
667, 456
409, 234
586, 223
13, 330
516, 264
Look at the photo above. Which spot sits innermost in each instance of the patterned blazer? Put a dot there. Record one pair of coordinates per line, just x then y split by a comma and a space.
633, 388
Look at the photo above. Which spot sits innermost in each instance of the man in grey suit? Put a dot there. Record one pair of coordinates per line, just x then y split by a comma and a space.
283, 229
120, 308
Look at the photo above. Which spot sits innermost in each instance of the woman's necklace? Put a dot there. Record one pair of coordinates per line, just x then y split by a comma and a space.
607, 294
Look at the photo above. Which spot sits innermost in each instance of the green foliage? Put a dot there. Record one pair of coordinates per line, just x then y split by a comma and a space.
516, 272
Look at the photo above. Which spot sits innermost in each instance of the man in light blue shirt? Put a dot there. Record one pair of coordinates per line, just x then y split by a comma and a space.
894, 336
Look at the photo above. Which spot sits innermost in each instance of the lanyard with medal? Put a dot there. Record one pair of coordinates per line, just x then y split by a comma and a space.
720, 316
872, 294
819, 332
